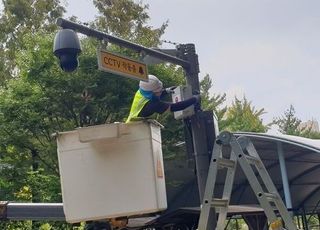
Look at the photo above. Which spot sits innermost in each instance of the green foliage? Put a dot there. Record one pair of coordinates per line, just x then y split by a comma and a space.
214, 102
38, 225
236, 224
289, 124
242, 116
28, 153
127, 19
21, 17
313, 221
41, 100
308, 133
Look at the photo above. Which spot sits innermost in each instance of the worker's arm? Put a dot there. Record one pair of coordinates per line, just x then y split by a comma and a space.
157, 106
154, 106
184, 104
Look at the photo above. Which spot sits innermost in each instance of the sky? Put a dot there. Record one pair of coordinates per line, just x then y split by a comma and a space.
267, 50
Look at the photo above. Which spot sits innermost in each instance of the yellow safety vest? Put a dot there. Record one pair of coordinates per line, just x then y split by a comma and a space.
138, 103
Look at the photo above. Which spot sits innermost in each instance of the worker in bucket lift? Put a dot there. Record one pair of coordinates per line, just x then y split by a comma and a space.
147, 100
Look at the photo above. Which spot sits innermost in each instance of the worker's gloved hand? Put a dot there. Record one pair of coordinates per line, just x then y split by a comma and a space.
197, 97
170, 90
197, 106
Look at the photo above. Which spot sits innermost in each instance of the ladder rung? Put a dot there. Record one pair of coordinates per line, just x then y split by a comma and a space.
253, 160
226, 163
271, 196
220, 203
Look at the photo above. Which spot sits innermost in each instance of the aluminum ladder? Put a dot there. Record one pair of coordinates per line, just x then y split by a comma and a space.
244, 154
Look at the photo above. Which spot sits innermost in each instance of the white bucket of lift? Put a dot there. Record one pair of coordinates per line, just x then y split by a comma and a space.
111, 170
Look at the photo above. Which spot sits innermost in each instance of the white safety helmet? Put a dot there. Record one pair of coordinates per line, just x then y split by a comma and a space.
154, 84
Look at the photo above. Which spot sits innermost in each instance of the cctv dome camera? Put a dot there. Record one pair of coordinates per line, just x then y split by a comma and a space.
67, 48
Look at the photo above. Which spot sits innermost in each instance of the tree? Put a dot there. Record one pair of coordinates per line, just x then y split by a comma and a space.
20, 17
28, 117
214, 102
127, 19
236, 223
41, 100
242, 116
308, 133
288, 123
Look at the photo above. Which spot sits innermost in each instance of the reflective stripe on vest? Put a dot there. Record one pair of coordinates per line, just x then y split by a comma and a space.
138, 103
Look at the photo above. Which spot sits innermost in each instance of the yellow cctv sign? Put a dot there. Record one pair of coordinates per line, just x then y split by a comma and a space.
116, 64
